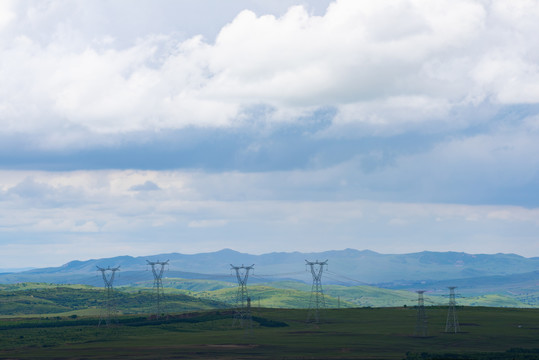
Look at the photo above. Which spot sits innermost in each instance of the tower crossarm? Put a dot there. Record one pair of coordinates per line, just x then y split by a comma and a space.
158, 274
242, 278
237, 270
317, 272
108, 280
247, 269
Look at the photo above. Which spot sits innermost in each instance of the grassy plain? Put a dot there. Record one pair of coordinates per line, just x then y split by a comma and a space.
360, 333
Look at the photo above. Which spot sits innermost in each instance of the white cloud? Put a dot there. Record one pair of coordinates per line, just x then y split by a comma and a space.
394, 115
384, 63
7, 14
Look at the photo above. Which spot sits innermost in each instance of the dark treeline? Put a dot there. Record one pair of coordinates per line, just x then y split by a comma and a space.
511, 354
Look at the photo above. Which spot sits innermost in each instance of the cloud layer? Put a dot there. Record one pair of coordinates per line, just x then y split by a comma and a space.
391, 125
86, 215
388, 66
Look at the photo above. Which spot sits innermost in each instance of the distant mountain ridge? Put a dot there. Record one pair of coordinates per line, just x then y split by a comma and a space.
348, 266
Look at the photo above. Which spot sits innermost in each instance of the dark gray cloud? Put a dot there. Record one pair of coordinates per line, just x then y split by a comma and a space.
490, 162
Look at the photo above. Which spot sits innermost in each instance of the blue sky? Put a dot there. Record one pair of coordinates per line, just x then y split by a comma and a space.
140, 127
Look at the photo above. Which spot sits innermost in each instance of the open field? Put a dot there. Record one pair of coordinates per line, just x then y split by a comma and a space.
362, 333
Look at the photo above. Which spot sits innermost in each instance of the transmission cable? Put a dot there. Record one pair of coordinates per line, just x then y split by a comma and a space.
347, 278
281, 274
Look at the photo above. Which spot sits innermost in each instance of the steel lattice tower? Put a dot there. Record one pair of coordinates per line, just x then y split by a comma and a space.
243, 301
421, 323
109, 314
158, 268
316, 301
452, 323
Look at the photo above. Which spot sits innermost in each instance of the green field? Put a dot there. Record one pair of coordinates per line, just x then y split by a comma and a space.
49, 321
362, 333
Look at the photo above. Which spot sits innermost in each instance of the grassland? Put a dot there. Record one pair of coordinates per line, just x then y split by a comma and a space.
49, 321
360, 333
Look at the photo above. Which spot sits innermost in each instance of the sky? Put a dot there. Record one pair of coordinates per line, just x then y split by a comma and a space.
134, 127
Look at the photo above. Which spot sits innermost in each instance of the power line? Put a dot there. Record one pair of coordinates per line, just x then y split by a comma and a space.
281, 274
108, 314
158, 267
452, 322
421, 320
349, 278
316, 300
243, 301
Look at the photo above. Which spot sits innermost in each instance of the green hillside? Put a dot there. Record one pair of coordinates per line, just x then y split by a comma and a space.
41, 298
188, 284
188, 295
358, 296
266, 296
293, 294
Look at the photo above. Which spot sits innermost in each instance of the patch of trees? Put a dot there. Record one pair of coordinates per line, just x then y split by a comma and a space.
511, 354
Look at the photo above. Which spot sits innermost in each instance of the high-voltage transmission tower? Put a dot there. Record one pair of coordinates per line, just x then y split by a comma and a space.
108, 313
452, 323
158, 268
243, 301
317, 301
421, 323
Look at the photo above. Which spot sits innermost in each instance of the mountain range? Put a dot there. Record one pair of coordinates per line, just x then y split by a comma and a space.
345, 267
